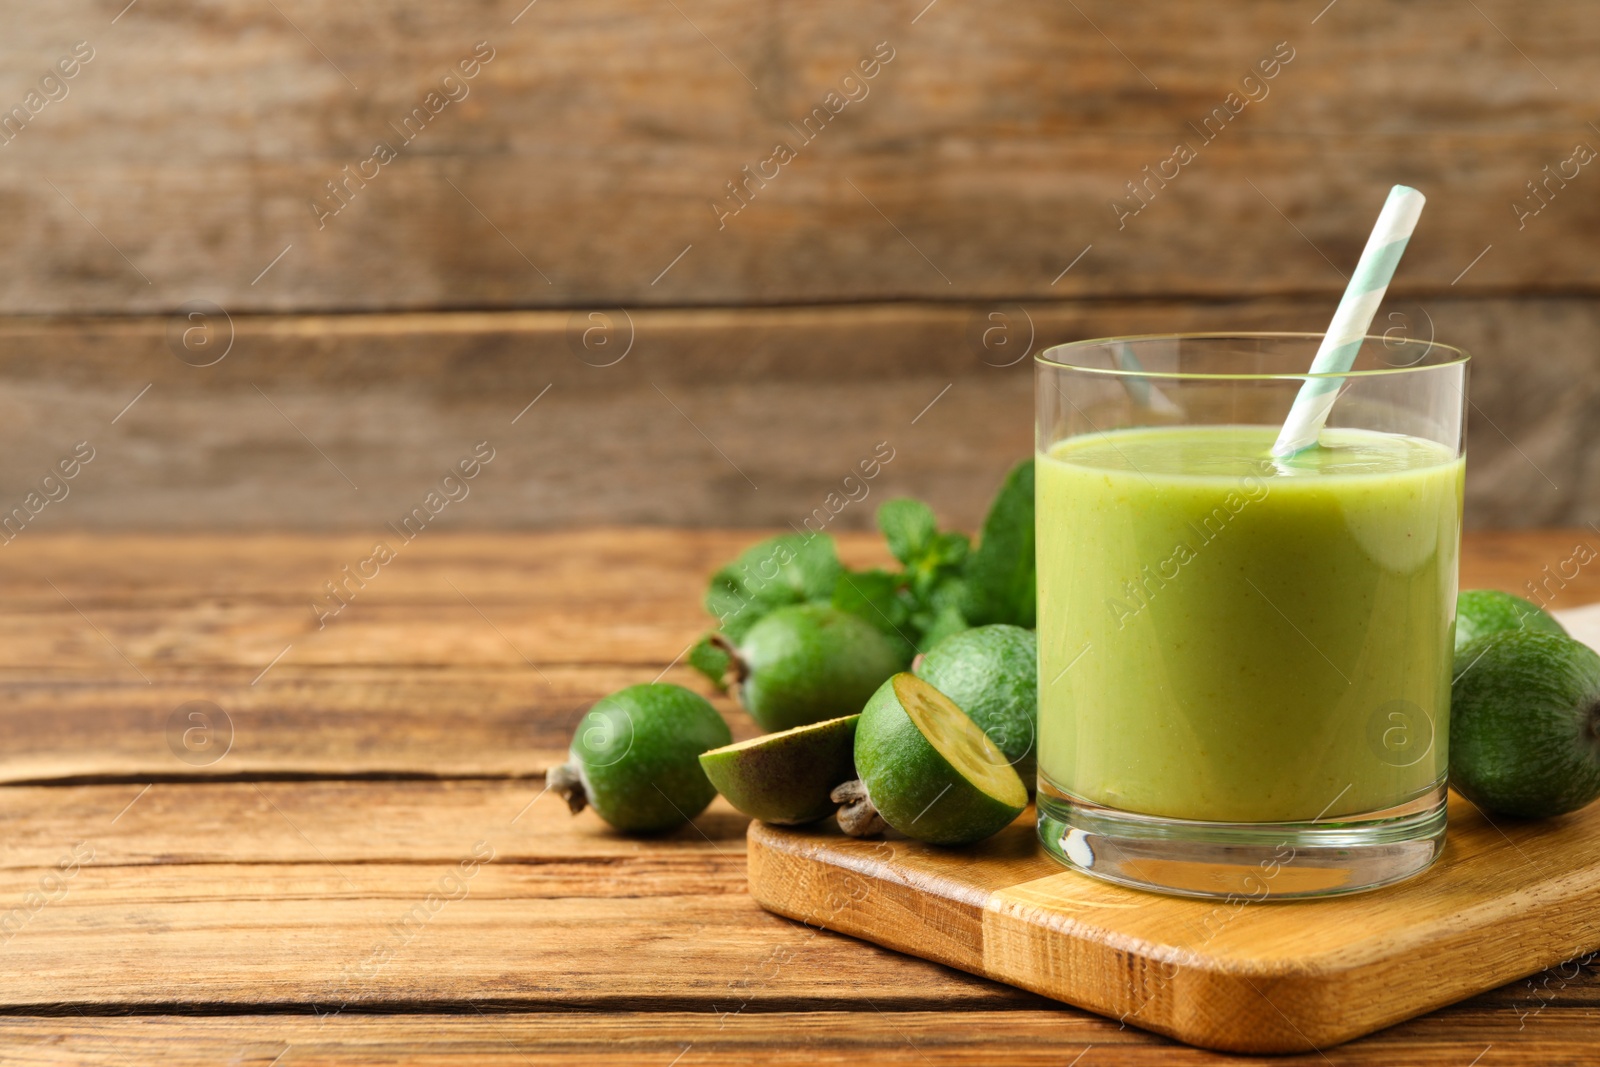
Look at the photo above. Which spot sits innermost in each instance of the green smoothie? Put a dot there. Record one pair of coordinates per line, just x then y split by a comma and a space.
1227, 637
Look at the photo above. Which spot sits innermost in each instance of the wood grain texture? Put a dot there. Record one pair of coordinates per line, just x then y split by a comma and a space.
409, 679
197, 890
584, 161
308, 721
353, 895
652, 1039
226, 921
1503, 901
721, 417
588, 152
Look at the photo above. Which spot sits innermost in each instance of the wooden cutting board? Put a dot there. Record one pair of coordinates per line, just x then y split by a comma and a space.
1506, 899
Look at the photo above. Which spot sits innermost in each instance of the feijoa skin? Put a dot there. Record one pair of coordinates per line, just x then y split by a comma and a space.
927, 769
1481, 612
785, 778
992, 673
1525, 724
809, 662
635, 758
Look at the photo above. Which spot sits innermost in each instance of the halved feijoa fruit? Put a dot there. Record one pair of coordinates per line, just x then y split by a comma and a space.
785, 778
992, 673
927, 769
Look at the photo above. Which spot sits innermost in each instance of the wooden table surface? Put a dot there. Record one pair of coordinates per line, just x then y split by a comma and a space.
348, 858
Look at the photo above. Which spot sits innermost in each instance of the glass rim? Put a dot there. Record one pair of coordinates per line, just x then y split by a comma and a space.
1460, 356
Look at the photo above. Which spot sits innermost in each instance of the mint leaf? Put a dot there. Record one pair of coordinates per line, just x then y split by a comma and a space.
942, 615
947, 621
908, 525
875, 596
711, 661
878, 597
940, 561
932, 561
787, 569
1001, 574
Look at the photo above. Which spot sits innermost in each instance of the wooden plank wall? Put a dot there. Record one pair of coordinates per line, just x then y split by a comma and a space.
173, 195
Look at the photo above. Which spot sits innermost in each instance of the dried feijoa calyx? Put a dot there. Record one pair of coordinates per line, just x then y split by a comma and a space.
786, 778
635, 758
809, 662
927, 770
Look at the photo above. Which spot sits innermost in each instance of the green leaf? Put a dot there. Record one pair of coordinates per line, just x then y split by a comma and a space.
909, 526
711, 661
941, 559
878, 597
875, 596
1001, 574
788, 569
952, 593
951, 548
941, 615
946, 621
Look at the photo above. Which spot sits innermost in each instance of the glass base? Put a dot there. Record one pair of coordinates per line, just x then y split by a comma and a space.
1254, 861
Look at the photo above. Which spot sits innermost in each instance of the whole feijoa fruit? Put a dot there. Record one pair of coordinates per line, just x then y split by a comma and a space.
1480, 612
926, 769
785, 778
1525, 724
992, 673
808, 662
635, 758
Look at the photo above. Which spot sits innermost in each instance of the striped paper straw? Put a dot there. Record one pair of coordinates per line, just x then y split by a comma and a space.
1143, 393
1337, 353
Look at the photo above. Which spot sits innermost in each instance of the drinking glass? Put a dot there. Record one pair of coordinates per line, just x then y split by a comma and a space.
1245, 661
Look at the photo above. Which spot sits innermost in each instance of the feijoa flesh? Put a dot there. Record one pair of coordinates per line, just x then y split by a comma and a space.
927, 770
992, 673
786, 778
